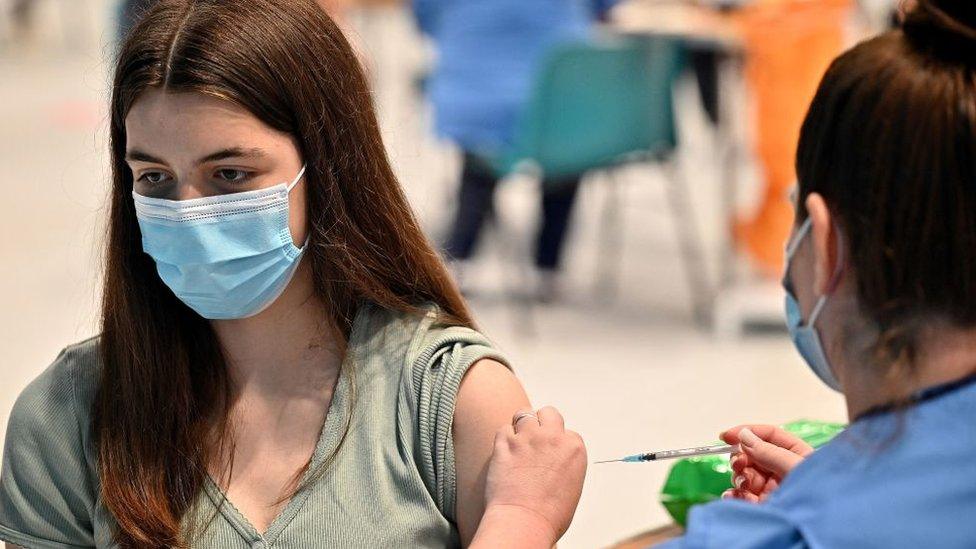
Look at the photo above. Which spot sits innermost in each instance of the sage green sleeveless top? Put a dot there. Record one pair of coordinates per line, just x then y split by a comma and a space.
391, 484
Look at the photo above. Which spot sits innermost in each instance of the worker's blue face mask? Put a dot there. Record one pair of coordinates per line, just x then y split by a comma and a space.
805, 337
227, 256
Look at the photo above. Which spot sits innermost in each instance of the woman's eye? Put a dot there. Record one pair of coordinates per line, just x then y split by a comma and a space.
153, 178
232, 176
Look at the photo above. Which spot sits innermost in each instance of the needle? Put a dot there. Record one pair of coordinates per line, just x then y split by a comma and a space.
673, 454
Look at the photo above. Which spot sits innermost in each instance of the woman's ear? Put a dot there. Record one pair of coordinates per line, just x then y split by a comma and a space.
824, 233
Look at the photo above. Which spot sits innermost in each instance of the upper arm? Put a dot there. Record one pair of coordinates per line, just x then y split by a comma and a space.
489, 395
461, 393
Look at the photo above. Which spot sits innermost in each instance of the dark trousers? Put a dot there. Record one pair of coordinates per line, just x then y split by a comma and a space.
705, 63
476, 204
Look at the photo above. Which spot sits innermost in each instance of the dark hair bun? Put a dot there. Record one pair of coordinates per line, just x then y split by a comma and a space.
944, 28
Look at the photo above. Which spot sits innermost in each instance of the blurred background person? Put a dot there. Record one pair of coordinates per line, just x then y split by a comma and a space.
26, 25
488, 53
788, 45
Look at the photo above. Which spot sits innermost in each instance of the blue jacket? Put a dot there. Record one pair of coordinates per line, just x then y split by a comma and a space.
902, 479
488, 55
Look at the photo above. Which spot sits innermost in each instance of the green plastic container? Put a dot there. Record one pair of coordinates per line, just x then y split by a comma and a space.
698, 480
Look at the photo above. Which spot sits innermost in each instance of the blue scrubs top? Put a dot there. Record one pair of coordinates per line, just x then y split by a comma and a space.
893, 479
488, 55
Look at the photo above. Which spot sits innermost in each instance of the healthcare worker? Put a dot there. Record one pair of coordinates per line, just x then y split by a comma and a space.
283, 359
881, 304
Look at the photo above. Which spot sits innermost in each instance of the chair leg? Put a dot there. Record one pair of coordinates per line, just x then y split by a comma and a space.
610, 242
516, 273
689, 243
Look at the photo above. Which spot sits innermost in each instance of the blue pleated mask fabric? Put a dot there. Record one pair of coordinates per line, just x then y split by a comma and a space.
227, 256
806, 338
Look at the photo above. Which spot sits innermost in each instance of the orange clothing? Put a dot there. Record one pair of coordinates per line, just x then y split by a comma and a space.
789, 44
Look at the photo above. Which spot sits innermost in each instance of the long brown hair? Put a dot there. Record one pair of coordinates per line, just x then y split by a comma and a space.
164, 385
890, 144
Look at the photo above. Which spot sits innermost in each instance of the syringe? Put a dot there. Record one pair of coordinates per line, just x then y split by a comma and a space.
674, 454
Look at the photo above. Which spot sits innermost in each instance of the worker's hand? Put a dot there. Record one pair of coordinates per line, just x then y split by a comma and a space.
535, 478
768, 453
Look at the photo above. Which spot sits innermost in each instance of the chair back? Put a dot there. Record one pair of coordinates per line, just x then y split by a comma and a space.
598, 102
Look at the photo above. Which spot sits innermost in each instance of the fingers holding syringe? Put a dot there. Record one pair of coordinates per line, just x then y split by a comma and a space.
751, 480
768, 448
748, 478
771, 434
752, 486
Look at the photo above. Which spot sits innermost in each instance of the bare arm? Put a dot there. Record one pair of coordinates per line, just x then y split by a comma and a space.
534, 483
489, 395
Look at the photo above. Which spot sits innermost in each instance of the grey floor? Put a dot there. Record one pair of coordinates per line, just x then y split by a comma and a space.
630, 373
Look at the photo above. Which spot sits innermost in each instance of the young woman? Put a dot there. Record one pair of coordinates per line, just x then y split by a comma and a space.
881, 286
283, 360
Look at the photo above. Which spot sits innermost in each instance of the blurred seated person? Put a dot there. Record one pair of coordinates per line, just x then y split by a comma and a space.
489, 52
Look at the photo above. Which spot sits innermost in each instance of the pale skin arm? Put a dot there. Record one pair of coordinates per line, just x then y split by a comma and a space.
535, 480
489, 395
517, 485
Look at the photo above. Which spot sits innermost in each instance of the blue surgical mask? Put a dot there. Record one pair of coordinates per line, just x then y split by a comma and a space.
227, 256
805, 337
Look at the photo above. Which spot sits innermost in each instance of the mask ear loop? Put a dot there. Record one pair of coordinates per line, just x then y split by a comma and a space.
297, 178
798, 239
791, 249
834, 279
291, 186
792, 245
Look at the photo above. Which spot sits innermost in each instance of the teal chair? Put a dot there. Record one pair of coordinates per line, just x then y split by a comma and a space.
597, 105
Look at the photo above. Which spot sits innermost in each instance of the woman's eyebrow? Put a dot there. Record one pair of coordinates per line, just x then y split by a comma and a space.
136, 155
233, 152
